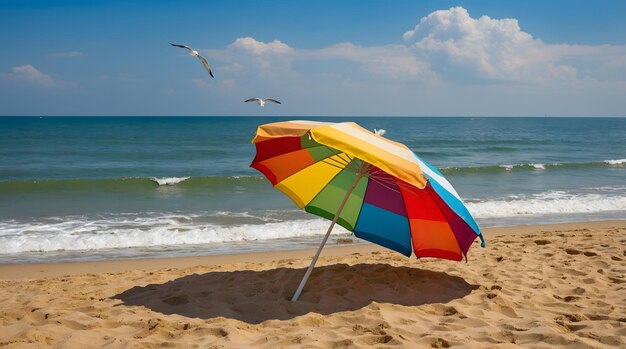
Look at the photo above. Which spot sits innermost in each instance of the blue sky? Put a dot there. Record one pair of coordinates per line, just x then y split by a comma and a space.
352, 58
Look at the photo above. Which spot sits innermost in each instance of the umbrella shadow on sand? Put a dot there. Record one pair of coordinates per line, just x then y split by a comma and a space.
257, 296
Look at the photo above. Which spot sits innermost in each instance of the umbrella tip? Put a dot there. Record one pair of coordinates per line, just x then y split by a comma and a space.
482, 241
380, 132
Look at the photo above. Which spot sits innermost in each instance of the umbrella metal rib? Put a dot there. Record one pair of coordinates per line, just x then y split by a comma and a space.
385, 184
349, 164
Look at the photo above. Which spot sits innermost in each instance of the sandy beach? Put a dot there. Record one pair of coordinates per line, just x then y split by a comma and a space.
533, 286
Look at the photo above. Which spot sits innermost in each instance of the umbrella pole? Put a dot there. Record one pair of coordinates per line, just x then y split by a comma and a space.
360, 174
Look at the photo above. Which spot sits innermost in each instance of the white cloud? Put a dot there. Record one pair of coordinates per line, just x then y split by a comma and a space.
446, 45
199, 82
459, 47
390, 61
231, 68
31, 75
68, 54
252, 56
266, 58
228, 83
255, 47
276, 58
169, 91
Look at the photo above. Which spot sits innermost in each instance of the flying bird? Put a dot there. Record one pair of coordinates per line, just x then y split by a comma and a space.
195, 53
261, 102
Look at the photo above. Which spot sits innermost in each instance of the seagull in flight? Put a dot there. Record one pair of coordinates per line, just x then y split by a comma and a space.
261, 102
195, 53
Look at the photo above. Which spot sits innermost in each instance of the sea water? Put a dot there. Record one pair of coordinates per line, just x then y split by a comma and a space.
94, 188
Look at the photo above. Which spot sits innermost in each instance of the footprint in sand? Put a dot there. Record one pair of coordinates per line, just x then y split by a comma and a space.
574, 317
213, 331
570, 327
597, 317
572, 251
569, 299
513, 328
574, 272
440, 343
542, 242
450, 311
344, 343
384, 339
566, 298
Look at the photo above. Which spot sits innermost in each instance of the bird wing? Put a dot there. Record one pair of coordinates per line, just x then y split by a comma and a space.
252, 100
182, 46
206, 65
272, 100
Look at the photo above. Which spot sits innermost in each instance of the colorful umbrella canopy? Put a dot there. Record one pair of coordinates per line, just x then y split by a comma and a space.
372, 186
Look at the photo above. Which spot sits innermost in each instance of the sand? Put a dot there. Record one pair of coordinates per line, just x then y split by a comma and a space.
539, 286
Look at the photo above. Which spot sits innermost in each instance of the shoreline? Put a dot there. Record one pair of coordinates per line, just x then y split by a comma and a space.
11, 271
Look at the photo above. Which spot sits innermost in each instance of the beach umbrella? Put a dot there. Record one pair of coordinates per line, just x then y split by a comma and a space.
372, 186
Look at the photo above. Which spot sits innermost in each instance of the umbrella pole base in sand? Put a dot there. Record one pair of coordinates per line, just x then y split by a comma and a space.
360, 174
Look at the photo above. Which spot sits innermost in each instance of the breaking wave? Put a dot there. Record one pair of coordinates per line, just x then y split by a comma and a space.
533, 167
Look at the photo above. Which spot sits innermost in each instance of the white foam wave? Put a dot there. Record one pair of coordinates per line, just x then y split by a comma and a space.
131, 230
553, 202
538, 166
248, 177
82, 233
617, 162
534, 166
169, 180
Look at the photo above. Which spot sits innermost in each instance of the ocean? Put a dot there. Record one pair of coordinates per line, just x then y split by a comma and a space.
95, 188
